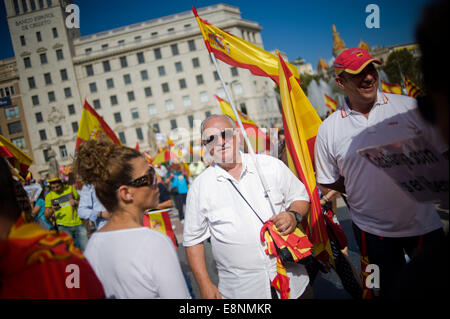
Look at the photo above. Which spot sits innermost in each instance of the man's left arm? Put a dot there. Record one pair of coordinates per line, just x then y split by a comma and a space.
286, 222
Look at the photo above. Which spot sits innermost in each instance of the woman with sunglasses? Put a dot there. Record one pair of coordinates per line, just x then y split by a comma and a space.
130, 260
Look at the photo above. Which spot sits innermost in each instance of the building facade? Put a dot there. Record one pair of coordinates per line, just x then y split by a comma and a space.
154, 75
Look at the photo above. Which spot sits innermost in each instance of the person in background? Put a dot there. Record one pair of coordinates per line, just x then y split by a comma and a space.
38, 212
179, 186
91, 209
196, 168
164, 195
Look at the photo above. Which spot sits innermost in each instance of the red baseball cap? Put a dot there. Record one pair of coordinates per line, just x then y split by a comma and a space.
353, 61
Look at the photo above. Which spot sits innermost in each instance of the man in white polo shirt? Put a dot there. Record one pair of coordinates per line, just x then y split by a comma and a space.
390, 221
216, 208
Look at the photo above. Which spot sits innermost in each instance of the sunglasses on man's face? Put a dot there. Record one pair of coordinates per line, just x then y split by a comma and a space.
148, 179
226, 134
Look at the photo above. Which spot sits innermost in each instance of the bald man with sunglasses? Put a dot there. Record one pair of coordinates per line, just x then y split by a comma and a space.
227, 204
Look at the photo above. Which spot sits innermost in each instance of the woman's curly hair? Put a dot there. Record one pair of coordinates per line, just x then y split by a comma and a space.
106, 166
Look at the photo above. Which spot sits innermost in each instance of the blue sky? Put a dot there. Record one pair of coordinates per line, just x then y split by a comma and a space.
298, 27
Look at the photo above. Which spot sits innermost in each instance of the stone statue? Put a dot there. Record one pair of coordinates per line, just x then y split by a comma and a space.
53, 168
151, 139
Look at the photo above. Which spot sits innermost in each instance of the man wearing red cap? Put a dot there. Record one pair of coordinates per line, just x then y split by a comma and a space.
386, 221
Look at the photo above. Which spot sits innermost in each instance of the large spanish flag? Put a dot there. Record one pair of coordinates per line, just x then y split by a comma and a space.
301, 124
238, 52
259, 140
332, 104
92, 126
411, 89
160, 221
391, 88
16, 157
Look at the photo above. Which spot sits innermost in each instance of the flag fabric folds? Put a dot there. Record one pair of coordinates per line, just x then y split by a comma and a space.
92, 126
259, 140
160, 221
391, 88
238, 52
16, 157
301, 123
332, 104
411, 89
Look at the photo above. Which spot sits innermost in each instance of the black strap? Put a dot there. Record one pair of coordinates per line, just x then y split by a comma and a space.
245, 200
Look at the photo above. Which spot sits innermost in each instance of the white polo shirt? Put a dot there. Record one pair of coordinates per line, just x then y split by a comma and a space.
377, 205
215, 209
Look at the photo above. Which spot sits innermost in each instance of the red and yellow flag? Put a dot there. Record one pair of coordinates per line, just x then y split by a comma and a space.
259, 140
160, 221
411, 89
332, 104
391, 88
170, 142
137, 146
92, 126
16, 157
238, 52
301, 124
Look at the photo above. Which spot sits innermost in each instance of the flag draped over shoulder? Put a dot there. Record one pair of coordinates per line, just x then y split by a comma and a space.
92, 126
411, 89
238, 52
332, 104
391, 88
301, 123
259, 140
160, 221
16, 157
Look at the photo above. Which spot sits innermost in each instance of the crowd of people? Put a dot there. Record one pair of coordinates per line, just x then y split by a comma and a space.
98, 228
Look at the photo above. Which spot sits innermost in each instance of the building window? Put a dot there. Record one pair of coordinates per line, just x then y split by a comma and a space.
22, 40
24, 6
178, 67
93, 87
173, 124
152, 109
165, 87
130, 96
16, 6
170, 30
68, 92
203, 97
113, 99
109, 83
51, 96
122, 138
199, 79
27, 62
134, 113
15, 127
71, 109
43, 58
174, 48
169, 105
156, 127
106, 66
234, 71
46, 158
33, 5
161, 70
191, 44
41, 4
221, 93
47, 78
31, 83
182, 83
216, 76
243, 108
117, 117
88, 51
195, 62
75, 127
12, 90
237, 89
96, 104
191, 121
137, 39
2, 93
123, 62
19, 142
140, 57
154, 34
63, 151
55, 33
12, 112
148, 91
105, 46
157, 53
43, 135
127, 79
207, 113
144, 75
64, 76
39, 118
38, 36
121, 43
187, 101
89, 70
58, 130
59, 54
139, 134
35, 99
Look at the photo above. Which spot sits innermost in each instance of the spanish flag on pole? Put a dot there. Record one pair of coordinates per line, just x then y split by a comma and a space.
411, 89
92, 126
259, 140
238, 52
301, 124
391, 88
332, 104
16, 157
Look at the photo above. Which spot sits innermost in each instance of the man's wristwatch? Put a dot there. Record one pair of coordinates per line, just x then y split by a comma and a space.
298, 217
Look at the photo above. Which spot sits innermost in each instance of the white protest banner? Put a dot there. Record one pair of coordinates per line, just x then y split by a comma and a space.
33, 191
414, 165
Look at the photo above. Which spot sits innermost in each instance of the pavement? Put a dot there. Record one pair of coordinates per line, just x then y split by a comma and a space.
326, 286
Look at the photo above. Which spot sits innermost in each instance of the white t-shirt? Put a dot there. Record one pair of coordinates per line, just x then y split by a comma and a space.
377, 205
215, 209
136, 263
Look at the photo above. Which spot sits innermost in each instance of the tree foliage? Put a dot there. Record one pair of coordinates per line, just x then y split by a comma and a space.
403, 61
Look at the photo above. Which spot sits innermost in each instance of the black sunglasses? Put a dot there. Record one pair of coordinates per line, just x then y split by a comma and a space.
148, 179
226, 134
